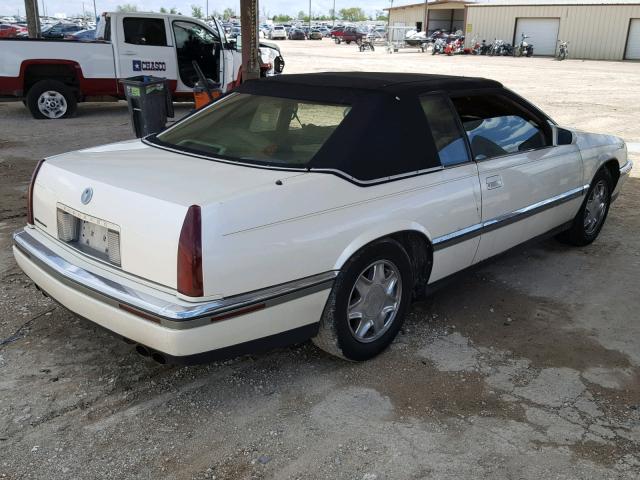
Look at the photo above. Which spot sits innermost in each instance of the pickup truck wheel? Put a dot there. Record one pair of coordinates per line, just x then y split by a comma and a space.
337, 40
51, 99
590, 218
367, 305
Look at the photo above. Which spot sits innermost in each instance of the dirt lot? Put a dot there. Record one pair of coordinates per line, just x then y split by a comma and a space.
526, 369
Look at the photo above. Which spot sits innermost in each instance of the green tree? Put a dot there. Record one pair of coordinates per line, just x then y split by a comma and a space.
173, 11
127, 7
353, 14
381, 17
228, 13
281, 18
196, 11
163, 10
300, 15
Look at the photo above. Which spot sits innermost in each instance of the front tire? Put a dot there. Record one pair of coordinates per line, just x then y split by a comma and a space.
51, 99
590, 218
368, 302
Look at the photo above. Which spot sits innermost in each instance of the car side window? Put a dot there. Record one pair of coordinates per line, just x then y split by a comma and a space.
446, 133
498, 126
145, 31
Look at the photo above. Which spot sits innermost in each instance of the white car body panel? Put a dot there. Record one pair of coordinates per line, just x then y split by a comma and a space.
265, 228
524, 179
96, 58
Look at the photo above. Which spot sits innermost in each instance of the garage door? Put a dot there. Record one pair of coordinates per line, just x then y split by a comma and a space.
542, 32
633, 41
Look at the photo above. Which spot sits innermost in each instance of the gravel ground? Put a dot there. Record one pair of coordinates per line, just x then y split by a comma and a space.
528, 368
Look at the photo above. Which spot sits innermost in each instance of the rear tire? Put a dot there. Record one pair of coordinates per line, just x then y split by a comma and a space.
590, 218
51, 99
365, 309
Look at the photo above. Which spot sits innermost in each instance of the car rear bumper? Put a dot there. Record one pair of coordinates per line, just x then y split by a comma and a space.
185, 332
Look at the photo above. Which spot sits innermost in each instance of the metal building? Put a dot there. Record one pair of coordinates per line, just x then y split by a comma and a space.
596, 29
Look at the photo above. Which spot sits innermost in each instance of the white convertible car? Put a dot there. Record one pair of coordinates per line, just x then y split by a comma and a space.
307, 206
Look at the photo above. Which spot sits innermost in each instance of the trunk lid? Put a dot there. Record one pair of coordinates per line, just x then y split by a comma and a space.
141, 192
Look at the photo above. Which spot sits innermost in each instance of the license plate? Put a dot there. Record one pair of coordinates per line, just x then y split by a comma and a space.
94, 237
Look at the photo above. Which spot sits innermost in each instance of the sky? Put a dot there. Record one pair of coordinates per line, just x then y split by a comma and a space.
270, 7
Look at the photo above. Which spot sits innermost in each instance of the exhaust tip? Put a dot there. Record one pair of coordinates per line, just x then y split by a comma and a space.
142, 350
159, 358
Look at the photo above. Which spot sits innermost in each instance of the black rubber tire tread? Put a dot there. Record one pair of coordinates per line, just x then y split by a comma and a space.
42, 86
334, 336
576, 235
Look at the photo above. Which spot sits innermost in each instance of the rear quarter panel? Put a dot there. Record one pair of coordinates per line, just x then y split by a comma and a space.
314, 222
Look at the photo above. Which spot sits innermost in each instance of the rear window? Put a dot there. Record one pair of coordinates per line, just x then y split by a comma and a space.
259, 129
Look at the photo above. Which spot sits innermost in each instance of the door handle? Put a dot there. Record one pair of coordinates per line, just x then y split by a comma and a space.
129, 53
494, 182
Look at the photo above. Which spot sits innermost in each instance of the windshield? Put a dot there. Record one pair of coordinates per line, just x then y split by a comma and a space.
258, 129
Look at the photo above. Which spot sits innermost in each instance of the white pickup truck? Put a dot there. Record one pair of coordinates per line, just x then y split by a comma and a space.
52, 76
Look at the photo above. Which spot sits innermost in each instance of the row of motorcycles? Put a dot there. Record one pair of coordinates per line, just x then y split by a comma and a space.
454, 44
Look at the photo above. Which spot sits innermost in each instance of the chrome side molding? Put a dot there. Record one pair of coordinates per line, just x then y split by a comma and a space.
472, 231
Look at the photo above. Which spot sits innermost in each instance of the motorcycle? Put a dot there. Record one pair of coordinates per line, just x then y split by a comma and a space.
454, 47
507, 50
523, 48
438, 46
484, 48
496, 47
475, 47
564, 50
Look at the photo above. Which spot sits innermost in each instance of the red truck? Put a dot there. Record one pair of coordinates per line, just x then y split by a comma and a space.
347, 35
52, 75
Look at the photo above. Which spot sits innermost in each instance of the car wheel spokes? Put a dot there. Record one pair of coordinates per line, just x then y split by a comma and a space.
374, 301
52, 104
596, 207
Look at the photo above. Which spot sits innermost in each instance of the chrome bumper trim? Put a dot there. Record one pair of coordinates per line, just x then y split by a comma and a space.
626, 168
177, 315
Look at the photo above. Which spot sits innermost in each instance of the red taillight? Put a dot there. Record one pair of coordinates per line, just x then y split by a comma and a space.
30, 193
190, 254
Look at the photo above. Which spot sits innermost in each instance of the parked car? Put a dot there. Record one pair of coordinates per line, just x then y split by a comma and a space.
278, 32
59, 30
296, 34
315, 35
83, 36
11, 31
234, 33
348, 35
52, 76
276, 214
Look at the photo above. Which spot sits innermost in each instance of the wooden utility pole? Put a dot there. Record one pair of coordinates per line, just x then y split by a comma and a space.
425, 23
33, 18
250, 39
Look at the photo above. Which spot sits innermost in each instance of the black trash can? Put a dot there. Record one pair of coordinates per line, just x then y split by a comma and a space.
150, 103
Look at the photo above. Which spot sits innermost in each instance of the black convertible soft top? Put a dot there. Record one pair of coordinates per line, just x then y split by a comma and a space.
383, 82
386, 133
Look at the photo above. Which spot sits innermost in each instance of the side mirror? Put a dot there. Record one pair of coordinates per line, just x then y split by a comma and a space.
564, 136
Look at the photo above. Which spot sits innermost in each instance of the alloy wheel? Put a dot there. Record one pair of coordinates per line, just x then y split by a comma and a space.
596, 207
374, 301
